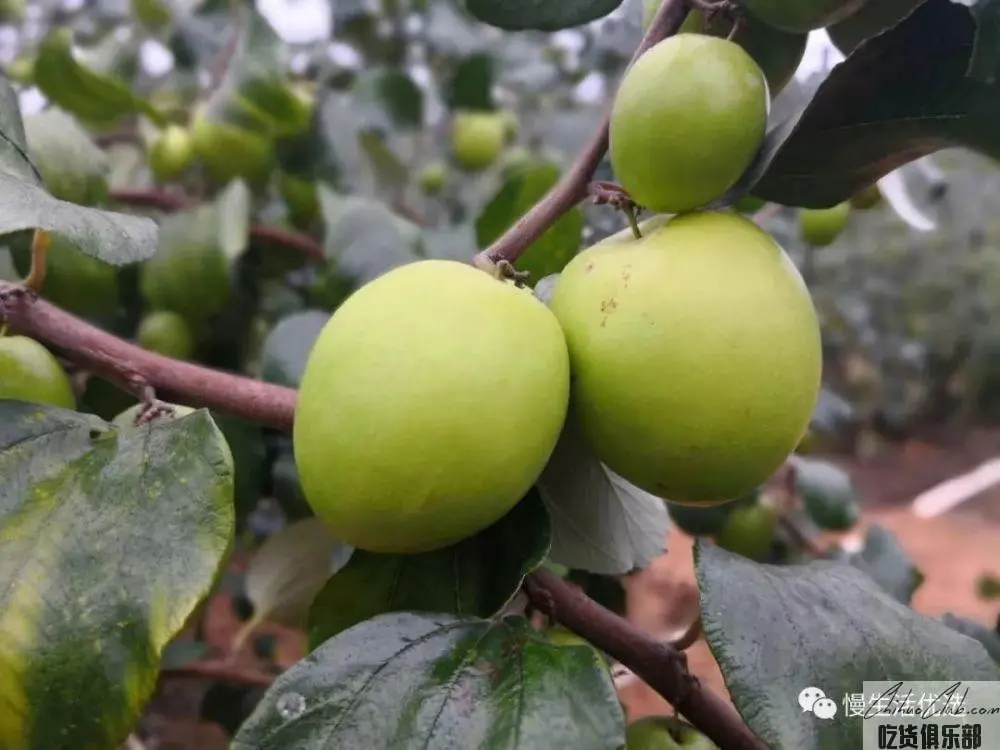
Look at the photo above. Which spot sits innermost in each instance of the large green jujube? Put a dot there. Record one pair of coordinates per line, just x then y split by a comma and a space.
29, 372
695, 353
430, 403
802, 15
687, 120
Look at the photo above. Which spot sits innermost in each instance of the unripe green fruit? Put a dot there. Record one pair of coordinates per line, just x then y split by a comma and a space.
749, 204
871, 19
153, 14
665, 733
21, 69
29, 372
819, 227
171, 153
230, 152
477, 138
433, 177
429, 405
301, 197
749, 531
802, 15
190, 279
695, 353
777, 52
687, 120
166, 333
705, 520
866, 198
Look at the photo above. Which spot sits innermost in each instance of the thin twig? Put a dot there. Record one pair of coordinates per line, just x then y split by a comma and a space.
572, 188
659, 665
174, 201
125, 363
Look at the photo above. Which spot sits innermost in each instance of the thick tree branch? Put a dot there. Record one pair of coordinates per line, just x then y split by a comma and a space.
659, 665
128, 364
572, 188
174, 201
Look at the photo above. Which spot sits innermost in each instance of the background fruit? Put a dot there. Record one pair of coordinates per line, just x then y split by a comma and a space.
665, 733
749, 531
819, 227
707, 146
29, 372
301, 198
699, 520
188, 278
478, 138
230, 151
710, 304
448, 428
432, 177
166, 333
171, 153
777, 52
866, 198
870, 19
802, 15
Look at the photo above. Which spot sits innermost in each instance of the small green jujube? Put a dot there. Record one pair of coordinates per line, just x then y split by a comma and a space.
687, 120
429, 405
30, 372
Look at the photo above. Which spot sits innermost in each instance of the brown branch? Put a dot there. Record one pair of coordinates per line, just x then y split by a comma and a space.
659, 665
125, 363
572, 188
175, 201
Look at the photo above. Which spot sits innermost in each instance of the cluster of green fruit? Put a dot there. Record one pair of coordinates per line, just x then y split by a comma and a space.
478, 138
690, 356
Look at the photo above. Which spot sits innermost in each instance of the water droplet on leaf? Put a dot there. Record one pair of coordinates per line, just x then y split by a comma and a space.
291, 706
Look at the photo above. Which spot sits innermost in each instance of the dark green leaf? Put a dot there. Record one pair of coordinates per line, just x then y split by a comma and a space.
989, 638
776, 630
398, 95
477, 576
880, 109
521, 190
544, 15
89, 95
287, 347
827, 493
986, 53
887, 563
470, 85
600, 522
83, 630
390, 172
406, 681
246, 443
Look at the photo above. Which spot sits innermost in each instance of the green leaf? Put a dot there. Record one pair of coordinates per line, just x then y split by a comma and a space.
880, 109
287, 346
391, 174
71, 165
364, 239
520, 191
776, 630
405, 681
827, 493
600, 522
91, 96
544, 15
111, 539
396, 93
477, 576
470, 85
986, 52
887, 563
234, 205
989, 638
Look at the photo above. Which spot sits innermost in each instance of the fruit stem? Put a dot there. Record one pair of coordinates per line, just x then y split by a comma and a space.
633, 224
39, 261
572, 188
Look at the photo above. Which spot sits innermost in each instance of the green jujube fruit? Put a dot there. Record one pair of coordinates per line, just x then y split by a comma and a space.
429, 405
802, 15
30, 372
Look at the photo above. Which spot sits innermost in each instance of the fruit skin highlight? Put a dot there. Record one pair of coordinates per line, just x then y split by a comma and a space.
429, 405
30, 372
687, 120
695, 354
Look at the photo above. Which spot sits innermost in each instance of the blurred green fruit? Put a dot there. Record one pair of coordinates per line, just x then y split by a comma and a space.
711, 304
21, 69
717, 106
166, 333
665, 733
12, 11
432, 177
74, 281
819, 227
420, 469
516, 159
802, 15
777, 52
477, 138
871, 19
749, 204
152, 14
171, 153
301, 198
749, 531
230, 152
705, 520
191, 279
30, 372
866, 198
